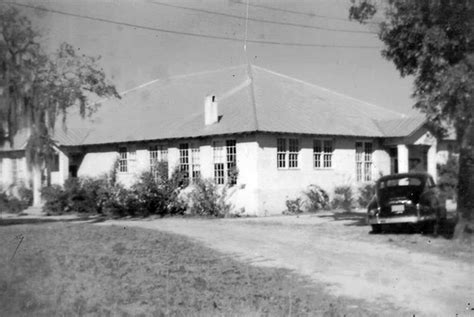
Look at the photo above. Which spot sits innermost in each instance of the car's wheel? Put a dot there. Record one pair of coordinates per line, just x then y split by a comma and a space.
376, 229
431, 227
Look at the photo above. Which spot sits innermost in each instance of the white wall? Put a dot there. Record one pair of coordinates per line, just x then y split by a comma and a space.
275, 185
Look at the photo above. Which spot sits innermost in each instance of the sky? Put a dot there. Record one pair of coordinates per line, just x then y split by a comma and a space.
143, 40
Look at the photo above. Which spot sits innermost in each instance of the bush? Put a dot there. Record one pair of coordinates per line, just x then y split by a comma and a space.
293, 206
343, 197
12, 204
366, 192
150, 195
205, 199
448, 177
317, 198
55, 200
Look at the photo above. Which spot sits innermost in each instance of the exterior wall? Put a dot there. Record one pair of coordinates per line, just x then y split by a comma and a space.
59, 177
276, 185
8, 181
99, 160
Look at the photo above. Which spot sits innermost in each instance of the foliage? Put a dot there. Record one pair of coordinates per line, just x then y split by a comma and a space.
293, 206
151, 194
448, 177
36, 87
366, 192
12, 204
434, 42
343, 197
206, 200
55, 200
317, 198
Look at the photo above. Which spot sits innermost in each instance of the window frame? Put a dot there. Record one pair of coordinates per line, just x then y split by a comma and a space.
364, 161
157, 153
323, 155
123, 161
287, 158
224, 153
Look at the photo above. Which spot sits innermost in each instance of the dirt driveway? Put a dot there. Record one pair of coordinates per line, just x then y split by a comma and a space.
423, 275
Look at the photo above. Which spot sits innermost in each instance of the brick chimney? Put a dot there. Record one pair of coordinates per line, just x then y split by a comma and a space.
210, 110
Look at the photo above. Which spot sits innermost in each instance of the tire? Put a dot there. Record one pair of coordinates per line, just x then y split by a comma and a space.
376, 229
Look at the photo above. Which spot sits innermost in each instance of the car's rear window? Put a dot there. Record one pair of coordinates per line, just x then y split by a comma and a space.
399, 182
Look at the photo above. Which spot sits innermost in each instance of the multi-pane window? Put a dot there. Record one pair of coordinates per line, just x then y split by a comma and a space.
189, 161
322, 153
231, 150
195, 163
225, 162
293, 150
184, 159
287, 153
219, 163
281, 153
364, 161
123, 160
158, 153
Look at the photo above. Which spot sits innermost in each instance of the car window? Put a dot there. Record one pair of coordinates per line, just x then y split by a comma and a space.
403, 181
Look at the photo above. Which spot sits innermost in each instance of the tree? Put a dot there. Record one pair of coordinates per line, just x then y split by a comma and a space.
433, 41
36, 88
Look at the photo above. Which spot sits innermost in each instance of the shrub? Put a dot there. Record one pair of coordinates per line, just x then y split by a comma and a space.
343, 197
366, 192
448, 177
13, 204
55, 200
317, 198
205, 199
26, 195
293, 206
150, 195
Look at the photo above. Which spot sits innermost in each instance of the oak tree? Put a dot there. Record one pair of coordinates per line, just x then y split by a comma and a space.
433, 41
36, 88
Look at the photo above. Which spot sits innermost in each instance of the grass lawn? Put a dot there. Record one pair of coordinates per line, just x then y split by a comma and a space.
64, 269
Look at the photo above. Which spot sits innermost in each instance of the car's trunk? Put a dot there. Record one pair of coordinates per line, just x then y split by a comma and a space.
399, 200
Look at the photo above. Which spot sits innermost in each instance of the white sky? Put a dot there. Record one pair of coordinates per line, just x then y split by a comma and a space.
132, 56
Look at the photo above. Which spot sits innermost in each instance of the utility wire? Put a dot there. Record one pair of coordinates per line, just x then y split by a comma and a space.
262, 20
200, 35
308, 14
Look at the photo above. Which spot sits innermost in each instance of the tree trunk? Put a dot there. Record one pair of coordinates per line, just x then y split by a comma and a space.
465, 211
36, 175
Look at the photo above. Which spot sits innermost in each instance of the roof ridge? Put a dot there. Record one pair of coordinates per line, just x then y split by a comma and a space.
328, 90
151, 82
252, 94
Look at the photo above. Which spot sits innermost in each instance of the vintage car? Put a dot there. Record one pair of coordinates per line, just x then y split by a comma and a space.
410, 198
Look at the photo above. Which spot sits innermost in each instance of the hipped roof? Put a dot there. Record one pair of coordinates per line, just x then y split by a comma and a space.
250, 99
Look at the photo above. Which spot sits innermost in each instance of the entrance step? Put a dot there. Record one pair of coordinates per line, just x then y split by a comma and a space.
34, 211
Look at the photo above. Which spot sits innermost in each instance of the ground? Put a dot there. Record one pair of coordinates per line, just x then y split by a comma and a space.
416, 273
315, 265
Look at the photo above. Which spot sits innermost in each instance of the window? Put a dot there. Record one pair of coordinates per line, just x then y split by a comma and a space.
123, 162
225, 162
322, 153
281, 153
158, 153
55, 163
195, 161
189, 161
364, 161
231, 150
219, 164
184, 159
287, 155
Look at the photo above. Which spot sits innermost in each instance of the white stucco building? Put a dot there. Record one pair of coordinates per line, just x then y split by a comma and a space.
280, 133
